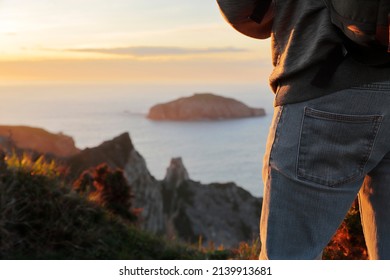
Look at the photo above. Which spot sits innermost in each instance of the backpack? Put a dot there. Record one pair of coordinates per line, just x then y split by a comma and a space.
365, 27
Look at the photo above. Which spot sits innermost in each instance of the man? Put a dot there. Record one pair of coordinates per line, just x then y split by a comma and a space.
329, 139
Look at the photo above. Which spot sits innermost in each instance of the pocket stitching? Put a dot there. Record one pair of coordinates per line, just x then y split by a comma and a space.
316, 114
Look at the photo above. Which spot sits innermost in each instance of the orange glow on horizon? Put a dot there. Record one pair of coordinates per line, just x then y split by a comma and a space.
203, 68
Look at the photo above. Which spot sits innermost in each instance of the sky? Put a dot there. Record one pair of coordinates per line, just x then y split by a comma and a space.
125, 41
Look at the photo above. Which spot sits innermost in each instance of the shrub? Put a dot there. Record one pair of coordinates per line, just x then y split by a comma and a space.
109, 189
248, 251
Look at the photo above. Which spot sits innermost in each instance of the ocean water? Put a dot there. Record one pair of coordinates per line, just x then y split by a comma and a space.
212, 151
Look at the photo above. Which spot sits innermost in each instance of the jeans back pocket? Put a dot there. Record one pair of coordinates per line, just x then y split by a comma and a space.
334, 148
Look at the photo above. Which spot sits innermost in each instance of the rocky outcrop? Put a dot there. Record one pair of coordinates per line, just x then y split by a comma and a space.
115, 153
223, 214
177, 206
176, 173
38, 140
203, 106
120, 153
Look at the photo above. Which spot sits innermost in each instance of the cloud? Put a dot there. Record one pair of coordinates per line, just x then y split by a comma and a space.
156, 51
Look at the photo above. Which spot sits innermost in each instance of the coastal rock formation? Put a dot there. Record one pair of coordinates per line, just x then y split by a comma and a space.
176, 173
176, 207
120, 153
223, 214
38, 140
203, 106
115, 153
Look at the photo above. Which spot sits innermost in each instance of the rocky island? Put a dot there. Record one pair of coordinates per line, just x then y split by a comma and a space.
203, 106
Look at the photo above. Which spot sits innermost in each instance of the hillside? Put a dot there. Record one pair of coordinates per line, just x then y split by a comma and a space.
42, 218
38, 140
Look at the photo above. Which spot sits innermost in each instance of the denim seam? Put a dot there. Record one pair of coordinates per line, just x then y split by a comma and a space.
306, 177
377, 126
299, 144
341, 117
379, 86
276, 135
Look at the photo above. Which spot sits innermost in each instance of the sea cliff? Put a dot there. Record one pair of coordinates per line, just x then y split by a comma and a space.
176, 207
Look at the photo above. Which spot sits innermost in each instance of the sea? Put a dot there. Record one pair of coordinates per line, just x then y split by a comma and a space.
212, 151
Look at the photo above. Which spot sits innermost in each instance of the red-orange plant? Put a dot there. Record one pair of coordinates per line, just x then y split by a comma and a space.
348, 242
107, 188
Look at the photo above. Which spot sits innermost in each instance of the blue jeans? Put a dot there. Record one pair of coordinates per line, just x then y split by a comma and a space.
320, 154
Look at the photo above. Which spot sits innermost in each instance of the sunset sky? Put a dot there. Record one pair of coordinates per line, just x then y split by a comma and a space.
126, 41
